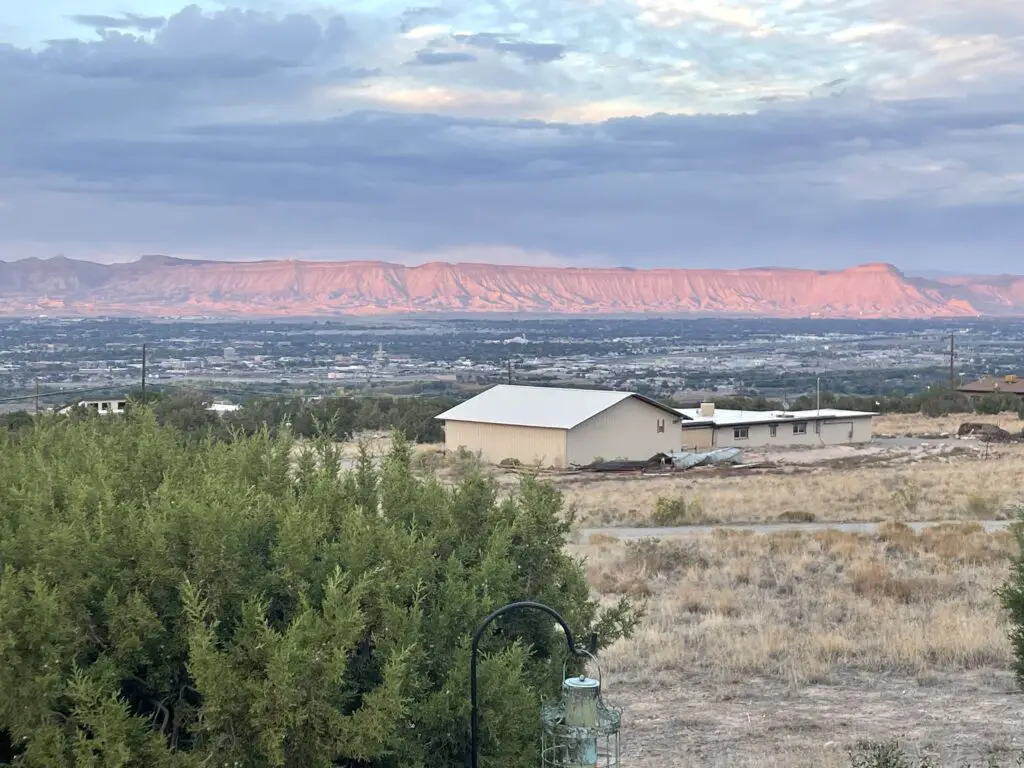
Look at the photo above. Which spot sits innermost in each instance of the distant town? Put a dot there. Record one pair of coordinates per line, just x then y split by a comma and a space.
46, 362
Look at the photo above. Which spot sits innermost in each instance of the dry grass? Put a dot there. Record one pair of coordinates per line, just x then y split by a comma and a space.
947, 488
787, 649
918, 425
802, 608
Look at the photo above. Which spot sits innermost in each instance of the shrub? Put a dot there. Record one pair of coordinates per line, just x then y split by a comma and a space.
906, 498
982, 507
886, 755
796, 516
176, 604
1012, 596
677, 510
655, 556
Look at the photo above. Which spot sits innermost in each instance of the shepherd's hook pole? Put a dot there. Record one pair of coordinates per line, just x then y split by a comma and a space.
474, 714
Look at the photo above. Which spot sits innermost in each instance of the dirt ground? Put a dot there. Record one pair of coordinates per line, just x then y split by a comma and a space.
678, 720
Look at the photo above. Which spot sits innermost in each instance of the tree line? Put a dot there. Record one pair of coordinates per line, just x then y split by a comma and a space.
341, 417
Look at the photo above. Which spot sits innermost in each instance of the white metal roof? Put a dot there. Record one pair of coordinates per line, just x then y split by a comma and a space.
550, 407
725, 416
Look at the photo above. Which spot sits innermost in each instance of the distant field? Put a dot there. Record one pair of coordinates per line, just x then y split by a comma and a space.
787, 649
915, 424
955, 482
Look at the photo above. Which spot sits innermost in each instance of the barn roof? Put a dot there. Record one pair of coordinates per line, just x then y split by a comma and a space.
549, 407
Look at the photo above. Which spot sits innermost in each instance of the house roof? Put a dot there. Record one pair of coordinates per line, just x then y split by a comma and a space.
549, 407
726, 417
994, 385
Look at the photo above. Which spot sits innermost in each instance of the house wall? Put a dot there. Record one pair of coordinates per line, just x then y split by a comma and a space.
494, 442
832, 432
698, 438
628, 430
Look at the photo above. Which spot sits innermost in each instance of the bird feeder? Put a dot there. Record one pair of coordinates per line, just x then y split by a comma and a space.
579, 731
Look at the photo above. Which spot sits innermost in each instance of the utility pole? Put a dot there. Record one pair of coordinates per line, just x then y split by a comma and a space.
37, 395
819, 395
952, 362
510, 370
143, 373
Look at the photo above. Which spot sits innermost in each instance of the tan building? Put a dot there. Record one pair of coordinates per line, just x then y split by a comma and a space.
707, 427
558, 427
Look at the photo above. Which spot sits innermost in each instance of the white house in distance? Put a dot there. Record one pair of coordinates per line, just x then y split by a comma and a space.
558, 427
708, 427
105, 407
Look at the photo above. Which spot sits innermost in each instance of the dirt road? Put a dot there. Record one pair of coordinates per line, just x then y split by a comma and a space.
766, 528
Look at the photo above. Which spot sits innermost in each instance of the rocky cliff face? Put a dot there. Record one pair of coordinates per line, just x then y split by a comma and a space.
157, 285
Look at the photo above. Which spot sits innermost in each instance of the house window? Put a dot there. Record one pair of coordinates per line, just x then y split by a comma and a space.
773, 430
661, 425
800, 429
740, 433
104, 406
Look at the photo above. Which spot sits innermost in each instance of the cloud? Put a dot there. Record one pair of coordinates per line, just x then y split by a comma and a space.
193, 44
441, 58
130, 21
615, 132
535, 53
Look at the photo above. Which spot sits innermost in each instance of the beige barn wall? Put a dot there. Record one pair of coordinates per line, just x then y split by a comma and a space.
627, 430
494, 442
698, 438
833, 432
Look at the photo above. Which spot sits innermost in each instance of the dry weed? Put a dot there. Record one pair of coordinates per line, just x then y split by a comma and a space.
950, 488
804, 607
919, 425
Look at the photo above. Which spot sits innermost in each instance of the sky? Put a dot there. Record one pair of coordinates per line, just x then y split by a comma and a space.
641, 133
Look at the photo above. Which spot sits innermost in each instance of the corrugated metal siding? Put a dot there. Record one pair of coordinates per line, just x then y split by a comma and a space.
494, 442
628, 430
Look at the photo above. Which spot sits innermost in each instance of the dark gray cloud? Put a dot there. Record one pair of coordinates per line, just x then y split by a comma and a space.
193, 44
535, 53
240, 133
130, 21
791, 180
440, 58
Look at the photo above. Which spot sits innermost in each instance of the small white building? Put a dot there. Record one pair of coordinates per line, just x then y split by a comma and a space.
104, 407
559, 427
223, 407
710, 427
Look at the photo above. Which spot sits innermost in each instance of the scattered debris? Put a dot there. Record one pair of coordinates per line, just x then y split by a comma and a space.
658, 461
717, 457
661, 462
985, 432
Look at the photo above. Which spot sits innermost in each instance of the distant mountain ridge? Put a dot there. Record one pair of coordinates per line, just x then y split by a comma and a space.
163, 285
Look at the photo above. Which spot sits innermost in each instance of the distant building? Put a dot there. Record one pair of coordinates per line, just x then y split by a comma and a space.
105, 407
223, 407
994, 385
709, 427
559, 427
